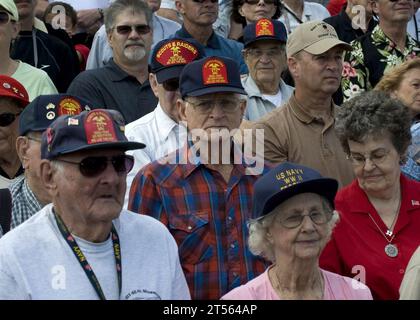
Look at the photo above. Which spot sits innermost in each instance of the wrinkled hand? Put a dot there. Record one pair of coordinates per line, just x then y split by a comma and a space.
87, 18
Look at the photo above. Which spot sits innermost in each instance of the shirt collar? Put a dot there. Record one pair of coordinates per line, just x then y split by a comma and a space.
192, 161
212, 42
165, 123
379, 37
301, 113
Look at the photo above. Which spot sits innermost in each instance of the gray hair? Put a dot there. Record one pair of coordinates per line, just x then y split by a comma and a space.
118, 6
57, 166
258, 242
374, 113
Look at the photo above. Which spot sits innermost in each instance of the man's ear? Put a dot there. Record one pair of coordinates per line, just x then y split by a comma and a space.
181, 106
293, 66
179, 5
48, 176
22, 147
110, 38
154, 84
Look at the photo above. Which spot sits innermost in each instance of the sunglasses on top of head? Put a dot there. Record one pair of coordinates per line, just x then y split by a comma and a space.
139, 28
7, 118
94, 166
4, 17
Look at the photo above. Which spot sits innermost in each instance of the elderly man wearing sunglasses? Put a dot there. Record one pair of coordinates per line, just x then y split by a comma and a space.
13, 98
27, 193
122, 84
90, 248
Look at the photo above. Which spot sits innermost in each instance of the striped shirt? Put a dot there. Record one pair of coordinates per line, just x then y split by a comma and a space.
206, 216
24, 202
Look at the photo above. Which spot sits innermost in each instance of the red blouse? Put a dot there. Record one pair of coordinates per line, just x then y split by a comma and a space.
357, 247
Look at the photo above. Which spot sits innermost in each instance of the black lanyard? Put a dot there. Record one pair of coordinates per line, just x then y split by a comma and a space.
83, 261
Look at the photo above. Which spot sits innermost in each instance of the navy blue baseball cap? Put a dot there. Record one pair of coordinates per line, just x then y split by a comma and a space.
264, 29
44, 109
95, 129
169, 57
210, 75
287, 180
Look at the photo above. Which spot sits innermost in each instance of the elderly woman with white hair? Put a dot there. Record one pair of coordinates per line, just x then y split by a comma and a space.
295, 205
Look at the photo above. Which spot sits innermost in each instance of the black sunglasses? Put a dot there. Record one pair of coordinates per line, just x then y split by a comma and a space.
139, 28
94, 166
4, 17
6, 119
171, 85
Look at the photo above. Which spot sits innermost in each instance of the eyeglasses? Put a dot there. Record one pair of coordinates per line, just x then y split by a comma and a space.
171, 85
254, 2
93, 166
271, 53
206, 106
4, 17
377, 157
202, 1
295, 220
139, 28
7, 118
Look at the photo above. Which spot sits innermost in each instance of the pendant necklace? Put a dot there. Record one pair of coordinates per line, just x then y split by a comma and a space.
391, 250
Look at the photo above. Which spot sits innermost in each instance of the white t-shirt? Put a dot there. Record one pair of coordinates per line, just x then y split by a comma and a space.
311, 11
37, 263
275, 99
86, 4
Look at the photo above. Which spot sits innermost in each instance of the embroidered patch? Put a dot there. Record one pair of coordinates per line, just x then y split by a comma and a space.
99, 128
214, 71
176, 52
264, 27
69, 106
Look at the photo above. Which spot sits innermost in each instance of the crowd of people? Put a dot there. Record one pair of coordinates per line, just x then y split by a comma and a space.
210, 149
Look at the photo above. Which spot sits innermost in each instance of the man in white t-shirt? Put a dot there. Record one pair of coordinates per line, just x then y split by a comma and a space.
83, 245
297, 11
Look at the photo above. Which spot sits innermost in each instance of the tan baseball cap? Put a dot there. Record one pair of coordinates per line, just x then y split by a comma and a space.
315, 37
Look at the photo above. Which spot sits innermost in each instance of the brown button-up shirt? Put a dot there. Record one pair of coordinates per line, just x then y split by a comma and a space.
292, 134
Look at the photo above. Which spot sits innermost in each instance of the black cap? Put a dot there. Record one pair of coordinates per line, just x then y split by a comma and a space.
96, 129
44, 109
210, 75
287, 180
264, 29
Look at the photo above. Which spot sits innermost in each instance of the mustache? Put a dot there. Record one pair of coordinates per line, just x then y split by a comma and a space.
134, 43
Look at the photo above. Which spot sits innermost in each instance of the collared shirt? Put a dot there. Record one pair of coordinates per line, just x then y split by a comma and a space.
159, 133
343, 25
207, 217
101, 52
257, 106
24, 202
373, 54
292, 134
111, 87
311, 11
357, 246
221, 47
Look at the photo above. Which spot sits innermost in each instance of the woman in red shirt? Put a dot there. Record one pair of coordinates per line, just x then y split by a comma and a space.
380, 210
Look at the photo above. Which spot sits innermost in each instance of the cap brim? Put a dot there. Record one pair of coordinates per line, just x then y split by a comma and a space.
325, 187
128, 145
325, 45
246, 44
22, 102
215, 89
168, 73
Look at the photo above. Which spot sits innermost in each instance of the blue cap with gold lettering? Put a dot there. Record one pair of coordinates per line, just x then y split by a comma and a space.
287, 180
